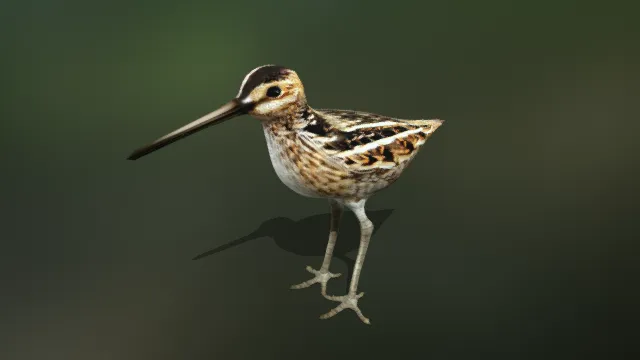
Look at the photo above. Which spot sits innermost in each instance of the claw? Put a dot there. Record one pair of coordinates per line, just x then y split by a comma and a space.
321, 276
348, 301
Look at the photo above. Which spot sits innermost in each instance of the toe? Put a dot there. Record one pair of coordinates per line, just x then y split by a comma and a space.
349, 301
320, 276
303, 285
334, 298
333, 311
362, 317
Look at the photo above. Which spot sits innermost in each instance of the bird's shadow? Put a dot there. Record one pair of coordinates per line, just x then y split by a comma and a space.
308, 236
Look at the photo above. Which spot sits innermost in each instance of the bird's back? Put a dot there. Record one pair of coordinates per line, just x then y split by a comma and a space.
370, 142
344, 153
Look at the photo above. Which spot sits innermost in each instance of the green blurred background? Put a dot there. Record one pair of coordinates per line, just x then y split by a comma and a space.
513, 234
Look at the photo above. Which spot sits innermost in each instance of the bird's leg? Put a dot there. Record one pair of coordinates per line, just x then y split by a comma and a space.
350, 301
323, 275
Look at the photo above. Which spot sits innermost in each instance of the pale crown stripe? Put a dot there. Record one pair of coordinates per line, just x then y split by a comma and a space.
244, 82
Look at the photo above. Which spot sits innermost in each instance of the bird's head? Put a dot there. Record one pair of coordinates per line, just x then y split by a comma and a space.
272, 91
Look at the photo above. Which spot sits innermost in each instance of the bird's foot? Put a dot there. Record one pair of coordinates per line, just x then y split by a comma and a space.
349, 301
321, 276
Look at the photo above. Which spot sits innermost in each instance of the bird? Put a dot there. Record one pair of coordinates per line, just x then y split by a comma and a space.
343, 156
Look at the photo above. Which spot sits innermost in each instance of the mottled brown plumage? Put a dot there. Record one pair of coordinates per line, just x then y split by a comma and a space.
343, 155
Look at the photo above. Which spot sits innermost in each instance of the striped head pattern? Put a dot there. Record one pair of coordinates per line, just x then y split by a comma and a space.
273, 92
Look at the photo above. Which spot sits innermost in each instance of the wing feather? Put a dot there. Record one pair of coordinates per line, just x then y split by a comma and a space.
363, 141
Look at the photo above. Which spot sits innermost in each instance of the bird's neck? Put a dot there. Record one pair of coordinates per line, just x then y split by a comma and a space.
296, 118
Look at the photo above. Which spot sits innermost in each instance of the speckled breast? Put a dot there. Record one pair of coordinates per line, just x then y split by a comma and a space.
286, 165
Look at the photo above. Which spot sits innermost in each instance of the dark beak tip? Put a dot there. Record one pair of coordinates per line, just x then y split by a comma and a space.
134, 156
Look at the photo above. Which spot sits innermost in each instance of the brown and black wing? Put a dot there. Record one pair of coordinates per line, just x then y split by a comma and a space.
364, 141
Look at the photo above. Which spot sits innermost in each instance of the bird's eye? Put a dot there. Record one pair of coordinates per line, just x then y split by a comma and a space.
273, 91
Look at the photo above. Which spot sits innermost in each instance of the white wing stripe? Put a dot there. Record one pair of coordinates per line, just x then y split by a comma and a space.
372, 145
371, 125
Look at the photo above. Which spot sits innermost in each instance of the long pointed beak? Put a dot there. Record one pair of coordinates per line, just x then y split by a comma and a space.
229, 110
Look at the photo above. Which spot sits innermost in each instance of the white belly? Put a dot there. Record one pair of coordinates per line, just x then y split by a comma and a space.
286, 169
